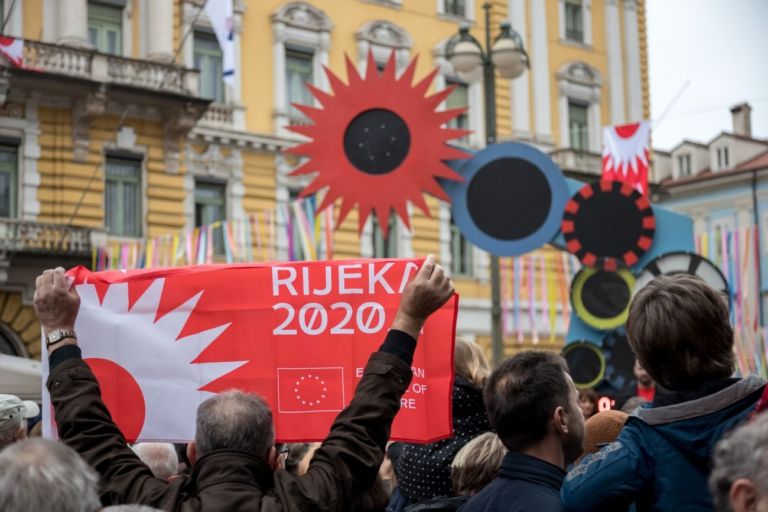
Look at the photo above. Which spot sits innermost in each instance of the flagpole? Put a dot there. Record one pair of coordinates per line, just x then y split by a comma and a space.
7, 18
183, 40
657, 122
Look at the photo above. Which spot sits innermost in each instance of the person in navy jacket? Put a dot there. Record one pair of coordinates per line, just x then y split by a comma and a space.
533, 407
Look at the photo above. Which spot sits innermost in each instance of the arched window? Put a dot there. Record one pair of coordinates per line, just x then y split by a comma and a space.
301, 40
579, 87
382, 37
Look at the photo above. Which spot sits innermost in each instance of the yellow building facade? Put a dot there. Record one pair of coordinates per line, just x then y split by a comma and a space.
119, 130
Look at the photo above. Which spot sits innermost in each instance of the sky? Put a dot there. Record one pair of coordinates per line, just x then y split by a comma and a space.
718, 47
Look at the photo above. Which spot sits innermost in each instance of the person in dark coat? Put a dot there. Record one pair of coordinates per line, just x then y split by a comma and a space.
533, 407
680, 331
238, 471
424, 470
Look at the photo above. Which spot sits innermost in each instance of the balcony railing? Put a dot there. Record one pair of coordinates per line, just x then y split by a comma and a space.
91, 65
219, 114
59, 60
23, 236
573, 160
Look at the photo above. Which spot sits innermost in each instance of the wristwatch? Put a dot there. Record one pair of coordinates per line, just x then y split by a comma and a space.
58, 335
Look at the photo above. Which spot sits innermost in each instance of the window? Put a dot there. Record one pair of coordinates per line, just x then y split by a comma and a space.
210, 207
574, 21
461, 252
459, 98
384, 247
8, 173
209, 60
684, 165
455, 7
298, 72
722, 158
122, 197
105, 28
577, 125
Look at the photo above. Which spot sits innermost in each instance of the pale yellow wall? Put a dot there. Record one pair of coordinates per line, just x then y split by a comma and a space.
32, 21
63, 180
418, 18
136, 28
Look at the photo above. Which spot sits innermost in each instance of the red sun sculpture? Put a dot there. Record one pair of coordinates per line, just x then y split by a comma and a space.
378, 142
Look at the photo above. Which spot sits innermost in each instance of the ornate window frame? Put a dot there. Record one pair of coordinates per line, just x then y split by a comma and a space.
578, 81
586, 12
469, 11
20, 123
381, 37
303, 25
214, 165
125, 146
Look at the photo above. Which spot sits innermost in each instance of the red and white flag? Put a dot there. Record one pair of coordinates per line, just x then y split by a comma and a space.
626, 150
13, 50
161, 341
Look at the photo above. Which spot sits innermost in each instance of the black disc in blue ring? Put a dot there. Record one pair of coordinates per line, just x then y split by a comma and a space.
511, 200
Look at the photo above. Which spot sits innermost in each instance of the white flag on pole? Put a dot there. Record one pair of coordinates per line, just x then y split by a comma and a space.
220, 14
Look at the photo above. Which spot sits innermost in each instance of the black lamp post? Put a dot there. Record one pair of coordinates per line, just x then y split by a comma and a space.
507, 56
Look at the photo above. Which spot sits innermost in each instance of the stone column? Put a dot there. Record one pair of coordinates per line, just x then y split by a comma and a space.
540, 68
521, 120
73, 23
160, 30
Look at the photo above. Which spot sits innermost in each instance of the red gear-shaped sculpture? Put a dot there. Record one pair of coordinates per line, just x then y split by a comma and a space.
378, 142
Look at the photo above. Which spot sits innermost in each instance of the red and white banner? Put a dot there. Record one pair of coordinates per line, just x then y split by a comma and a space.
161, 341
626, 150
13, 50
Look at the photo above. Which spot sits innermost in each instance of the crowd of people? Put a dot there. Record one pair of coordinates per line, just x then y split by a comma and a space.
689, 437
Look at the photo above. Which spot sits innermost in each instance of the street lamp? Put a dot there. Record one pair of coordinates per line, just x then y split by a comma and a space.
508, 56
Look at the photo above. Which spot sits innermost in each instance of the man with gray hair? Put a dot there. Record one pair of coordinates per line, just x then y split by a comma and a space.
40, 475
739, 478
161, 458
234, 459
14, 414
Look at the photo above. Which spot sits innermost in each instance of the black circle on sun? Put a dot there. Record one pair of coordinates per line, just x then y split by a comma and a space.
377, 141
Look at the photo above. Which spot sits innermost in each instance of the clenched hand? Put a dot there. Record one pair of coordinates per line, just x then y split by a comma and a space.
56, 304
424, 295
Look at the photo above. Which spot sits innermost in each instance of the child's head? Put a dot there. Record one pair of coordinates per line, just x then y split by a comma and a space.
476, 464
679, 330
470, 361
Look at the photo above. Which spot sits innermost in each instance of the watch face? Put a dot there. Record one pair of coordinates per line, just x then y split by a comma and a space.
56, 336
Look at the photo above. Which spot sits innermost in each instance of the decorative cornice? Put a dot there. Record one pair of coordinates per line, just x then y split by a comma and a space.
580, 72
384, 33
250, 140
303, 15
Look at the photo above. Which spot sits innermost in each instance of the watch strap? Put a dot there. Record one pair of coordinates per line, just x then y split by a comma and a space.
58, 335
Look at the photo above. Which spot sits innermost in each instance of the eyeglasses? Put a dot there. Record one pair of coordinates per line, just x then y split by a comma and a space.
282, 448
